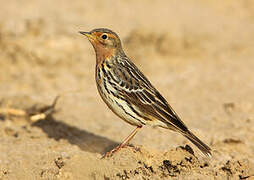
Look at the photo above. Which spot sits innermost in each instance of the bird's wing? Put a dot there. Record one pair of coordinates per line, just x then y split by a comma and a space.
136, 88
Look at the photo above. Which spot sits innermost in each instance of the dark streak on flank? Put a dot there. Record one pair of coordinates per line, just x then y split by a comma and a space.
99, 73
127, 112
138, 114
105, 86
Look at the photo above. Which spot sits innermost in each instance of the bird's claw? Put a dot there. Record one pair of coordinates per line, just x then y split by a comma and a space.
110, 153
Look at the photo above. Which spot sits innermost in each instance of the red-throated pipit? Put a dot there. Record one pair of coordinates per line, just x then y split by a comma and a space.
128, 93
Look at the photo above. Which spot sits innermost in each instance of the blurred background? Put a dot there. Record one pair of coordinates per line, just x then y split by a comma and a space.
199, 55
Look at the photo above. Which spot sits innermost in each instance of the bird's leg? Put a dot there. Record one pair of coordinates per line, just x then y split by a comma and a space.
124, 143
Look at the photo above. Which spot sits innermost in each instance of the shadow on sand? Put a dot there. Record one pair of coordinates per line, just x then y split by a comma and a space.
86, 141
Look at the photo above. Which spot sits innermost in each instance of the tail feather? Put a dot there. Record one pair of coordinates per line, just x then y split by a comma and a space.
196, 141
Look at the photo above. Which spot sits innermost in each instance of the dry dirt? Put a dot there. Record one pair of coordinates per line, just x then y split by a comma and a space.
199, 55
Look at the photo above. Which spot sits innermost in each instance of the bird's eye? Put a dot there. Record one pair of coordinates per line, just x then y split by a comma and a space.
104, 36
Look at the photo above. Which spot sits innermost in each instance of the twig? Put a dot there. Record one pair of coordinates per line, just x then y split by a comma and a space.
41, 113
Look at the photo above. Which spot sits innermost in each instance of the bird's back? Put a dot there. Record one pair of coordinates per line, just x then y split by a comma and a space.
120, 82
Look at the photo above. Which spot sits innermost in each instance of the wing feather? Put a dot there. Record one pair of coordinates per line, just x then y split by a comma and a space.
136, 88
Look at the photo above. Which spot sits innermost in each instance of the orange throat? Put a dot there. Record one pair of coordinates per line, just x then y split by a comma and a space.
103, 53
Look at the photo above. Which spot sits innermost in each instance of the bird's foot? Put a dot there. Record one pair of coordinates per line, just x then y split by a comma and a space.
110, 153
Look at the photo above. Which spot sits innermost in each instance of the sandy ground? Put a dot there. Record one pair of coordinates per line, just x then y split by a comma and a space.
199, 55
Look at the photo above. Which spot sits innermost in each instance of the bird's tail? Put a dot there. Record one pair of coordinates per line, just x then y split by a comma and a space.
195, 140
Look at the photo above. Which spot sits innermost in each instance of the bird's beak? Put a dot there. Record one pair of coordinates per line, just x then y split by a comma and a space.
88, 35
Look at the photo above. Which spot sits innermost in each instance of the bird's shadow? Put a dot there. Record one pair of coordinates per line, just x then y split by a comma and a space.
85, 140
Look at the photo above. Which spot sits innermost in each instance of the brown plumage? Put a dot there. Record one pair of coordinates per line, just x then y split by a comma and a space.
128, 93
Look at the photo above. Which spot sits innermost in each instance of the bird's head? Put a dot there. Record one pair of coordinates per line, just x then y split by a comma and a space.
105, 42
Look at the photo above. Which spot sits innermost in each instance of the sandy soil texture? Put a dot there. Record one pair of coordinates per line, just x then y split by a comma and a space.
198, 54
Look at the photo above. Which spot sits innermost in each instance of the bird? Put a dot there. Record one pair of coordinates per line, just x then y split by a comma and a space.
129, 93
